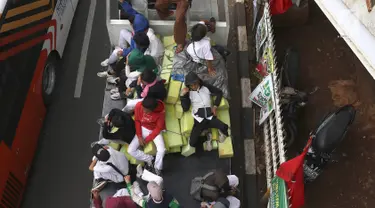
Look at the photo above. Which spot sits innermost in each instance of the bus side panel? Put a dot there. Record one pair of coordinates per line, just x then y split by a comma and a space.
12, 178
33, 113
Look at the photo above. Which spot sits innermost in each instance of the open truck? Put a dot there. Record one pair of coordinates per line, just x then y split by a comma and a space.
179, 170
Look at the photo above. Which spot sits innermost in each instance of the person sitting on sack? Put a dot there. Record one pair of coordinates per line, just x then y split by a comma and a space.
118, 126
107, 165
148, 85
198, 95
213, 186
200, 47
120, 199
136, 63
149, 122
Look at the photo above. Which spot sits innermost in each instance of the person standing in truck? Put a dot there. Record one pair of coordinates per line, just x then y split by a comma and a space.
149, 122
180, 27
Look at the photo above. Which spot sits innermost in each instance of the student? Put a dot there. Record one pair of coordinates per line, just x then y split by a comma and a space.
180, 28
136, 63
140, 41
160, 198
120, 199
147, 85
118, 126
200, 47
198, 95
149, 122
156, 47
105, 162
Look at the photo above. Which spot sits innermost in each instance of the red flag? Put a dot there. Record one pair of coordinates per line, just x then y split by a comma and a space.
291, 172
280, 6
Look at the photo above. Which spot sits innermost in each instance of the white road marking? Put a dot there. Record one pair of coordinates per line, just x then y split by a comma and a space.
84, 51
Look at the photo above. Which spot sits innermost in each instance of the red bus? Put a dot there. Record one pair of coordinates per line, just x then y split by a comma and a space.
33, 34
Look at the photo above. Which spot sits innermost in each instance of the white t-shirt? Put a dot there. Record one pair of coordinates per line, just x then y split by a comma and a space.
200, 50
102, 170
200, 99
156, 48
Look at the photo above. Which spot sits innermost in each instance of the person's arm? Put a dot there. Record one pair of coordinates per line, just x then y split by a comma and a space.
185, 101
137, 118
93, 163
174, 204
160, 123
97, 200
128, 8
215, 92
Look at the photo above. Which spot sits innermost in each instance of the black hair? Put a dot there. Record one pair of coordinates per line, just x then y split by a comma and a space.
150, 103
148, 76
117, 120
198, 32
120, 64
142, 40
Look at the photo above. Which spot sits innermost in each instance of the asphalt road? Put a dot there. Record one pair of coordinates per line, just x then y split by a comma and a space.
60, 175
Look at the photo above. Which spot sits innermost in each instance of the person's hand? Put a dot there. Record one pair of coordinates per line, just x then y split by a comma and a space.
128, 91
232, 191
213, 110
141, 141
139, 80
211, 71
127, 59
184, 91
121, 1
119, 53
127, 178
95, 194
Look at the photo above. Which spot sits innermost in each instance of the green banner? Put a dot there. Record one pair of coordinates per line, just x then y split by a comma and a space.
278, 198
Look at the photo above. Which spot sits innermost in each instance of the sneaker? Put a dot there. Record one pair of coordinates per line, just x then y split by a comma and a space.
100, 121
114, 90
98, 186
209, 145
222, 136
112, 80
116, 96
104, 63
102, 74
139, 171
137, 189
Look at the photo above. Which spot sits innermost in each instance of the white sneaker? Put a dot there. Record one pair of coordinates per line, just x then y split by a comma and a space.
139, 171
137, 189
102, 74
208, 146
114, 90
116, 96
112, 80
222, 136
104, 63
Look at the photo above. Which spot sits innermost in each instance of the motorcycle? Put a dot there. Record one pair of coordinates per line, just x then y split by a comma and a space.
325, 139
291, 98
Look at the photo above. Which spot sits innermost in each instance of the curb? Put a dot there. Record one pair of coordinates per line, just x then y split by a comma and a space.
250, 182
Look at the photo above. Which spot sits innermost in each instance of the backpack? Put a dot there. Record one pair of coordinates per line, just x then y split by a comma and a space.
208, 187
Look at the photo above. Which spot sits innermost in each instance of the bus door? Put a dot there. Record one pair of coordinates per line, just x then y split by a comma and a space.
12, 177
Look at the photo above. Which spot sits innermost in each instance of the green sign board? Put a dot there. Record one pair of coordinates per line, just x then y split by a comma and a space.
278, 197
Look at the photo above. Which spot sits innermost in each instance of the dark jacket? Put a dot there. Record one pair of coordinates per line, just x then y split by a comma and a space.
157, 91
126, 127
